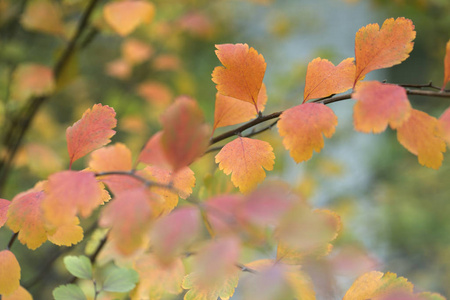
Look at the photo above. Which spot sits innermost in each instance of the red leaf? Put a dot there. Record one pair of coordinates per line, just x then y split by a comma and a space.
324, 79
377, 49
69, 193
92, 131
302, 127
378, 105
4, 205
172, 234
242, 73
129, 216
185, 136
421, 135
153, 152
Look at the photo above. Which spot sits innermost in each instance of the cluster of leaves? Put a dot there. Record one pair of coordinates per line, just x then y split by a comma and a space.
199, 245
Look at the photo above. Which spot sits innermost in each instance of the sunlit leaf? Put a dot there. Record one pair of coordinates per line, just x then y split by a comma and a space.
120, 280
182, 181
303, 127
446, 65
129, 217
158, 279
376, 285
379, 104
242, 73
25, 216
44, 16
66, 235
246, 160
32, 80
9, 273
125, 16
377, 48
92, 131
421, 135
185, 135
324, 79
68, 291
78, 266
230, 111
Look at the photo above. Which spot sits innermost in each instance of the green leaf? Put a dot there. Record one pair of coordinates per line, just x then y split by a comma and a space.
68, 292
79, 266
121, 280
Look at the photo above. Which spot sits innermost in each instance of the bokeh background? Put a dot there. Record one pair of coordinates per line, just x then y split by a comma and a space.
395, 212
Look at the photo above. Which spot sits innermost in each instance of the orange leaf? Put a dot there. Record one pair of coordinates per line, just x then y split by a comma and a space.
67, 234
69, 193
129, 216
185, 136
242, 73
376, 285
115, 157
92, 131
378, 49
379, 104
446, 66
230, 111
19, 294
32, 80
444, 122
43, 16
9, 273
302, 127
25, 216
125, 16
4, 205
155, 93
324, 79
183, 180
420, 135
172, 234
135, 51
156, 279
245, 158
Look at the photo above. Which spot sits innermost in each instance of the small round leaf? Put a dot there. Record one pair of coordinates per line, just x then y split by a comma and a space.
79, 266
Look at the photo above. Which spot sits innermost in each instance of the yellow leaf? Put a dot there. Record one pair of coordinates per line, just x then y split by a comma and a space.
9, 273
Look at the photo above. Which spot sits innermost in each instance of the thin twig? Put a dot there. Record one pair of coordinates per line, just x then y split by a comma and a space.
12, 240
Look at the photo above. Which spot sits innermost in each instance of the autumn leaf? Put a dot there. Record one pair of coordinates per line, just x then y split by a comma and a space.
4, 205
216, 274
377, 48
32, 80
324, 79
379, 104
129, 217
19, 294
182, 181
26, 217
185, 136
153, 152
135, 51
302, 127
158, 280
446, 66
242, 73
444, 123
376, 285
66, 235
43, 16
421, 135
246, 160
230, 111
69, 193
125, 16
172, 234
92, 131
9, 273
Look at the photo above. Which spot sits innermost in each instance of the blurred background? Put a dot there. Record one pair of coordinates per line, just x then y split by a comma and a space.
394, 211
